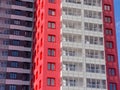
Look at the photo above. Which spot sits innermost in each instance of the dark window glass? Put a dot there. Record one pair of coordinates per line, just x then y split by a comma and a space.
29, 14
16, 42
13, 75
51, 81
16, 32
51, 12
12, 87
27, 44
51, 1
5, 42
28, 24
14, 64
17, 22
108, 19
110, 57
51, 38
51, 66
18, 12
51, 52
15, 53
28, 34
26, 65
4, 53
109, 44
111, 71
108, 32
26, 77
18, 2
27, 54
2, 76
112, 86
29, 4
25, 87
51, 25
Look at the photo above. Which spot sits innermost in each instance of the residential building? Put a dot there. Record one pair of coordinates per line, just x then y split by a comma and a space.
74, 45
16, 17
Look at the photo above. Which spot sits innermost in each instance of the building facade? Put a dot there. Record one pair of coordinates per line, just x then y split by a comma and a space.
74, 45
15, 44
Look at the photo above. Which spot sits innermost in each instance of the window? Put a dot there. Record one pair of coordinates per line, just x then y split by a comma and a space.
28, 33
51, 66
50, 81
2, 76
27, 54
72, 67
51, 1
3, 64
92, 14
107, 7
111, 71
6, 42
29, 4
15, 53
18, 12
108, 32
96, 83
2, 87
74, 1
71, 11
93, 27
95, 68
51, 52
51, 12
6, 32
93, 2
14, 64
13, 75
51, 38
72, 82
16, 42
112, 86
70, 53
12, 87
108, 19
94, 54
93, 40
16, 32
4, 53
109, 44
110, 57
51, 25
17, 22
28, 24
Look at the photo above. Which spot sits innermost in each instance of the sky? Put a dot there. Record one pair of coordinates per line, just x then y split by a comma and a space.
117, 18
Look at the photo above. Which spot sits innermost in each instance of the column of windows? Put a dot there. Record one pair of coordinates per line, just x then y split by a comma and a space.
51, 66
109, 44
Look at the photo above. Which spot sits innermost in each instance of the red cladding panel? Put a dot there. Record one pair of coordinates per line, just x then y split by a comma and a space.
46, 49
109, 24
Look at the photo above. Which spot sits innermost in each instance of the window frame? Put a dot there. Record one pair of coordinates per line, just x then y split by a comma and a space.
51, 12
51, 52
51, 66
51, 81
51, 24
51, 38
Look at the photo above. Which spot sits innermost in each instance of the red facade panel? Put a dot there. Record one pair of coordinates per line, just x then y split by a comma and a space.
111, 48
46, 50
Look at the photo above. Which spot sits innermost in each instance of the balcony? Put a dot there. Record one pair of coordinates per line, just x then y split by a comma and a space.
71, 3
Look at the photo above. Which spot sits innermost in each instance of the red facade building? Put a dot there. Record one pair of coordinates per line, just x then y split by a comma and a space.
74, 45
